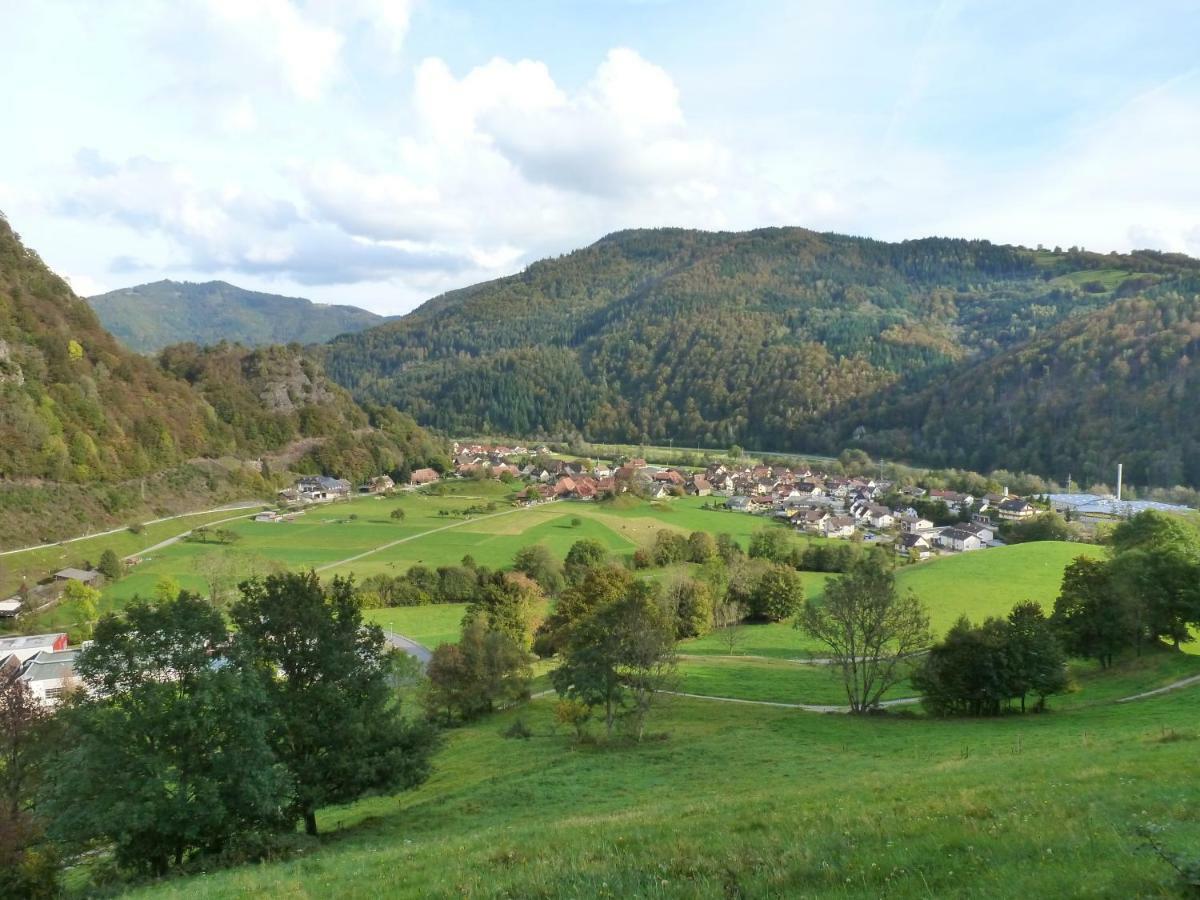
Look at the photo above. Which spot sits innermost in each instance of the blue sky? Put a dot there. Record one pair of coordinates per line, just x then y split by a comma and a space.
378, 153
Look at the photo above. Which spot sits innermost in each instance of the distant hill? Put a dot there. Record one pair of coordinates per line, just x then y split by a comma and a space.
148, 317
942, 351
93, 434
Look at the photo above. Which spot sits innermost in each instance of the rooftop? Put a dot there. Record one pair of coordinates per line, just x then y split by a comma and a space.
50, 666
25, 641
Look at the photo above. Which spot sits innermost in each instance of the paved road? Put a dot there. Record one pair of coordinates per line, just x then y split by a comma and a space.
85, 537
1173, 686
409, 646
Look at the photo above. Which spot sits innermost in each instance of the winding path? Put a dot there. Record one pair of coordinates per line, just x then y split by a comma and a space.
1173, 686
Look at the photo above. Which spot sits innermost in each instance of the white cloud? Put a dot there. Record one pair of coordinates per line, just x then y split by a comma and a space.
503, 164
1113, 184
623, 131
232, 228
86, 286
239, 116
304, 53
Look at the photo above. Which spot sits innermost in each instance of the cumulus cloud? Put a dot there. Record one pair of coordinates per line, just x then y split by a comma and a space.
504, 164
624, 131
234, 229
304, 53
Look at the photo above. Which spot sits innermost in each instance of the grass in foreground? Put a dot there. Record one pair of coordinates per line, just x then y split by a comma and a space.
758, 801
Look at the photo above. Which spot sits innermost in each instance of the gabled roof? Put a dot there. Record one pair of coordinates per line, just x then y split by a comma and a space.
77, 574
50, 666
958, 534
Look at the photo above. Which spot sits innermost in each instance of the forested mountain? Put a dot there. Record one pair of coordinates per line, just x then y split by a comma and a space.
74, 404
86, 424
1118, 384
786, 339
148, 317
270, 397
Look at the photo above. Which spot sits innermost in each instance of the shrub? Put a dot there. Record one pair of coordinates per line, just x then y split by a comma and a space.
518, 730
575, 713
778, 595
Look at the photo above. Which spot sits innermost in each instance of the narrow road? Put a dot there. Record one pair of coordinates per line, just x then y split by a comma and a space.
1173, 686
409, 646
412, 537
807, 707
87, 537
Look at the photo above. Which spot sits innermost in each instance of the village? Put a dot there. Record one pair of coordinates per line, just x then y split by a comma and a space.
916, 522
813, 503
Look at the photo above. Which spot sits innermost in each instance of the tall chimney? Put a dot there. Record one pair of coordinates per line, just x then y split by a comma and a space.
1119, 468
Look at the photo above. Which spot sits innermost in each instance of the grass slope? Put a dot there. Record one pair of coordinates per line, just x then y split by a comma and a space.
981, 584
775, 681
990, 582
744, 801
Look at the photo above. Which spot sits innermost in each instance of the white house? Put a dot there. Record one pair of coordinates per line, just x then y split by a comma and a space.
50, 674
959, 539
981, 531
915, 524
1016, 509
913, 545
839, 527
880, 517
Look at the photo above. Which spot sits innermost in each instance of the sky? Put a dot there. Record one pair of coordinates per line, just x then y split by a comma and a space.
380, 152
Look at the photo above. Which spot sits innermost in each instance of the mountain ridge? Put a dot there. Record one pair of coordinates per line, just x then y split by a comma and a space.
148, 317
774, 337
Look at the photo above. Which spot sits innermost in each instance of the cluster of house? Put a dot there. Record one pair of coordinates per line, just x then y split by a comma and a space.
840, 507
324, 489
43, 661
42, 594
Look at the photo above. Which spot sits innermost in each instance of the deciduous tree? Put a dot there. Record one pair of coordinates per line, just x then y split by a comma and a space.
870, 628
335, 722
165, 754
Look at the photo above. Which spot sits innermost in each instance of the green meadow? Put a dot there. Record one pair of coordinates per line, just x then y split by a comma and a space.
34, 565
732, 800
359, 537
990, 582
428, 625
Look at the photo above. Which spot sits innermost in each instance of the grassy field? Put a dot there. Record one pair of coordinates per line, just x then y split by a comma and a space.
990, 582
776, 681
744, 801
728, 799
428, 625
980, 584
324, 536
35, 565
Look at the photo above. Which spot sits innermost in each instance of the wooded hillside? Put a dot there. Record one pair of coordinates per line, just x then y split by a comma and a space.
148, 317
789, 340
